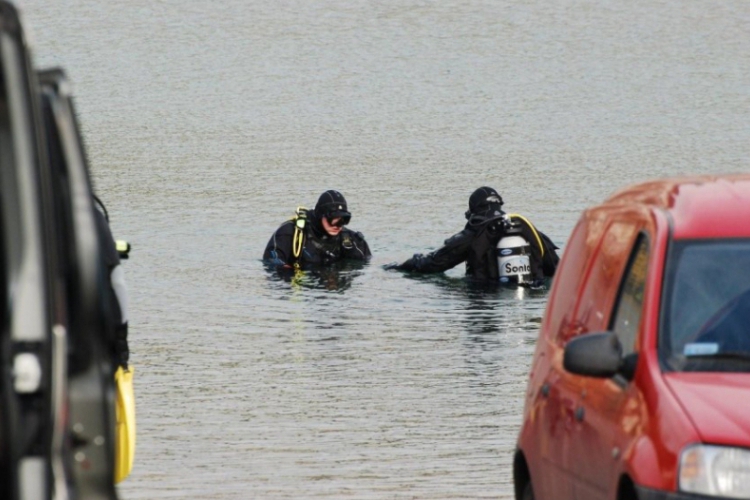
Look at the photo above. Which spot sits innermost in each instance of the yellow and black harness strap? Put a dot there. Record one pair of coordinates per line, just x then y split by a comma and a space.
298, 239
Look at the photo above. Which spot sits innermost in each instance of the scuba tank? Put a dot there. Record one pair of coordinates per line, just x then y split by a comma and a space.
514, 255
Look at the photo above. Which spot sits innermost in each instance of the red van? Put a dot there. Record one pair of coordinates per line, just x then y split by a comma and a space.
640, 382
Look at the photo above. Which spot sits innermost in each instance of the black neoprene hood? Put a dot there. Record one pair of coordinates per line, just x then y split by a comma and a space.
331, 204
483, 199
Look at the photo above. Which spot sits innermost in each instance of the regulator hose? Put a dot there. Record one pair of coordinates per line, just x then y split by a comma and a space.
533, 230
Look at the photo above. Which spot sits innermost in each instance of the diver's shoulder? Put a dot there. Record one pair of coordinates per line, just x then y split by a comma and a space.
287, 224
459, 237
353, 234
286, 227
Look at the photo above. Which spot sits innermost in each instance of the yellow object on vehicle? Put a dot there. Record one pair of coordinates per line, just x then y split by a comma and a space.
123, 248
125, 431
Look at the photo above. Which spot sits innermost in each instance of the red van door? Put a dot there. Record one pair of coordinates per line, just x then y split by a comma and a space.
551, 403
607, 409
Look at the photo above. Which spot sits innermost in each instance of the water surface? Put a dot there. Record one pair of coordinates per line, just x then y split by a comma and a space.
208, 123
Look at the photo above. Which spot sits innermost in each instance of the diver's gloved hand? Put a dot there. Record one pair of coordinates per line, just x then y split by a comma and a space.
408, 265
537, 284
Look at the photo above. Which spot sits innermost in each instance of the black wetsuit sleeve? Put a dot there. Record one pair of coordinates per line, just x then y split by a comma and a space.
354, 246
279, 248
452, 253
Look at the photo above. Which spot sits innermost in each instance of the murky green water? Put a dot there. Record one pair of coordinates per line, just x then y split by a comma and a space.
208, 123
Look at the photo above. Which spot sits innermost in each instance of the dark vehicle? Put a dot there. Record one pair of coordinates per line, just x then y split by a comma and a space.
57, 421
89, 449
640, 383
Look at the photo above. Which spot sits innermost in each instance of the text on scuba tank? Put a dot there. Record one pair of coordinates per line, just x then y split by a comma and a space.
516, 265
521, 269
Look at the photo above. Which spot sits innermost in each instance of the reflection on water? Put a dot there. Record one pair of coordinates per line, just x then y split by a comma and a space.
391, 392
333, 278
481, 302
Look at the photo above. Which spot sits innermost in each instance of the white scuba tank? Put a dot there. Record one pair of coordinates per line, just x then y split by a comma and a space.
513, 260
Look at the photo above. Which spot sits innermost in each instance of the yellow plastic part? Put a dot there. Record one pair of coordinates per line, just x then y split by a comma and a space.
123, 248
125, 431
298, 239
533, 229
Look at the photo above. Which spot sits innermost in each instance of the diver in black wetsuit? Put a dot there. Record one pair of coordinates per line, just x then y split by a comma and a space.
318, 237
477, 244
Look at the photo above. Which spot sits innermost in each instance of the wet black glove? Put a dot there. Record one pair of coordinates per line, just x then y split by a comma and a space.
408, 265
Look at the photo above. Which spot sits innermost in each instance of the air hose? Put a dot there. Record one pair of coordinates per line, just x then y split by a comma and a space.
533, 230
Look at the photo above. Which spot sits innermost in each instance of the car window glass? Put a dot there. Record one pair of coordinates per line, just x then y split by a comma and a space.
707, 305
9, 195
627, 312
604, 276
568, 278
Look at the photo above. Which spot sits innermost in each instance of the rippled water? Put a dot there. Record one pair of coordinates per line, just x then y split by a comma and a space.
208, 123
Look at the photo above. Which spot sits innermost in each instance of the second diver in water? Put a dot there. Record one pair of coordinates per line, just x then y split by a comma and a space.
317, 237
479, 245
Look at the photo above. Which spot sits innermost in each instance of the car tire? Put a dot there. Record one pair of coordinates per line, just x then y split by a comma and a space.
528, 492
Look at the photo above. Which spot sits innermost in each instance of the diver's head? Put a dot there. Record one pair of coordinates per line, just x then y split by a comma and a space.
331, 211
486, 202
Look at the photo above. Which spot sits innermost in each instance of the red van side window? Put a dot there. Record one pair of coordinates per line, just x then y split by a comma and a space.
604, 277
567, 280
626, 319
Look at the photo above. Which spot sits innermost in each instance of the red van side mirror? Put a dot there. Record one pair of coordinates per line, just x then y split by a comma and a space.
594, 355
